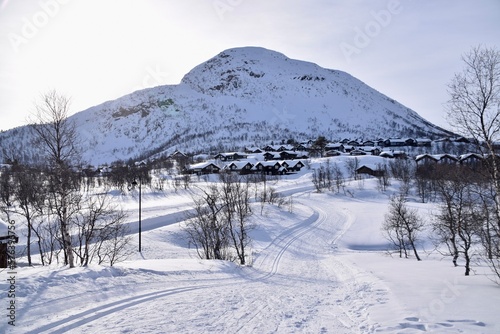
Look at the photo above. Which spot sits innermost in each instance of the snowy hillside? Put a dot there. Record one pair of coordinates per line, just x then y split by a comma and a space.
242, 96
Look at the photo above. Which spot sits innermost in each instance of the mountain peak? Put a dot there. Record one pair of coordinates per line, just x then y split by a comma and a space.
251, 52
237, 69
242, 96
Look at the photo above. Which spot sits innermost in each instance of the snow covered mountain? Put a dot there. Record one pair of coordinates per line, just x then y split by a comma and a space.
241, 97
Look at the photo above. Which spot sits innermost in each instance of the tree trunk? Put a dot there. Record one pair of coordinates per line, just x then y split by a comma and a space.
467, 264
415, 250
66, 238
28, 240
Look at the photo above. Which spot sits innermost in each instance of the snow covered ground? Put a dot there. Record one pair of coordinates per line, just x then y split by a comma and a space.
319, 265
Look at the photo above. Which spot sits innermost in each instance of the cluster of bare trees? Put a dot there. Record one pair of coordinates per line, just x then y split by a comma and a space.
220, 223
402, 226
468, 219
328, 176
474, 110
62, 221
462, 222
99, 232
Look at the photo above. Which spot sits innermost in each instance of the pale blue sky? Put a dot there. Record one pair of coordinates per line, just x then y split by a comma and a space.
94, 51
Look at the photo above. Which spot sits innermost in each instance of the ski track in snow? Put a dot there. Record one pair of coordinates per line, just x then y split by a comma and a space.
83, 318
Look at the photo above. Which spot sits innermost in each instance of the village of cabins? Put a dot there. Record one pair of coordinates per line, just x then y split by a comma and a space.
286, 159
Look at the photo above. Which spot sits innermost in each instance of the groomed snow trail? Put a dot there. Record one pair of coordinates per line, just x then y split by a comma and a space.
297, 284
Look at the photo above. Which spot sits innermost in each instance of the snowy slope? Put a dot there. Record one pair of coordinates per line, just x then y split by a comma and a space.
242, 96
318, 267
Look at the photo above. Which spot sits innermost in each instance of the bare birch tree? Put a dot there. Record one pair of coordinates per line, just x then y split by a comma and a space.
56, 138
461, 218
29, 196
235, 194
219, 224
402, 226
474, 105
474, 111
205, 226
101, 233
